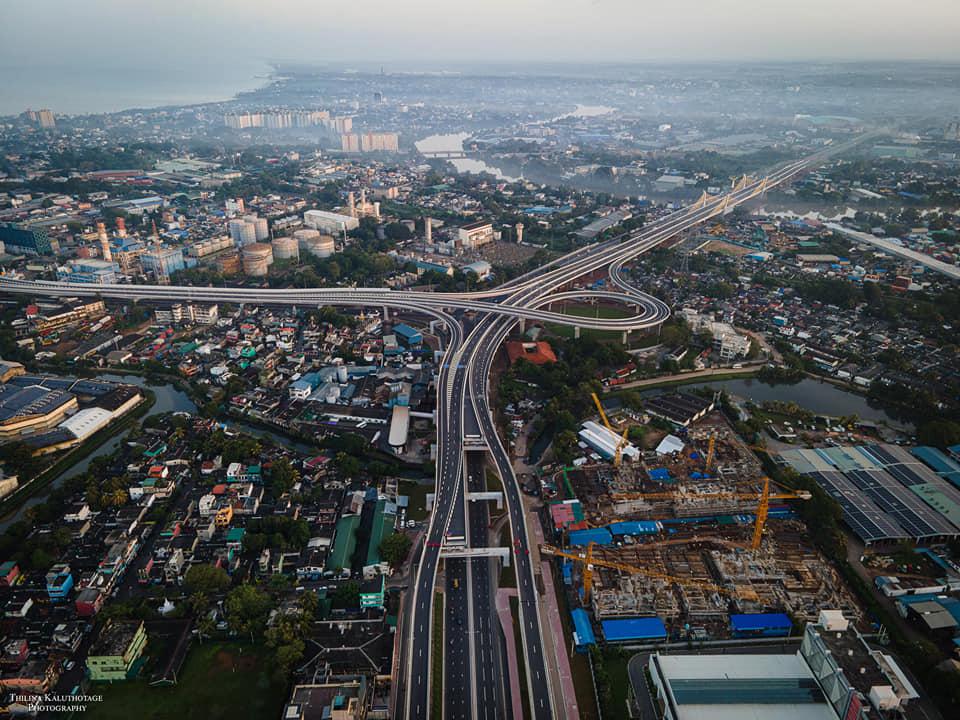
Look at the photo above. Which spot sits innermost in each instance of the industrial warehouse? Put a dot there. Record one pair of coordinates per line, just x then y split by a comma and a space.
887, 494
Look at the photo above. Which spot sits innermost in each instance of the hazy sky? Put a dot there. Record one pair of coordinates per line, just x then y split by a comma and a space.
102, 33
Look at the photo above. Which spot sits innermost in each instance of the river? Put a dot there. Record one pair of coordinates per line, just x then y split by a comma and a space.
454, 142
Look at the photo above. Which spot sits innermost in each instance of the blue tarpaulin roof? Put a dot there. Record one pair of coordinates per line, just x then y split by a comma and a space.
659, 474
600, 536
648, 628
582, 627
759, 621
634, 527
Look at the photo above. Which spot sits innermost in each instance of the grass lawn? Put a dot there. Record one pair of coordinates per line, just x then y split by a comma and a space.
616, 664
418, 499
219, 681
436, 675
591, 311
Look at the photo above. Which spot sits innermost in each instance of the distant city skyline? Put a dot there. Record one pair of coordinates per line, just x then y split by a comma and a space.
99, 34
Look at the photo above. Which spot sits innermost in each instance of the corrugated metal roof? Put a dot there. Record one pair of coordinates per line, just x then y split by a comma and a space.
760, 621
647, 628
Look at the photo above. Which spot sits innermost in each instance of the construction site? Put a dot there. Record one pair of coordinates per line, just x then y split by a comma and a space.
690, 532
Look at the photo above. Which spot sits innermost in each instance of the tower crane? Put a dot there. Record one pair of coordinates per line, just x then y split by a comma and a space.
590, 562
711, 448
763, 505
617, 455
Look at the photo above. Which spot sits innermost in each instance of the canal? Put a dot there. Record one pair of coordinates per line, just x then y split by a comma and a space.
168, 399
821, 398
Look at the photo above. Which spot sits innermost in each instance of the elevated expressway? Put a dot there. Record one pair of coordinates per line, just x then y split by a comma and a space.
533, 290
462, 408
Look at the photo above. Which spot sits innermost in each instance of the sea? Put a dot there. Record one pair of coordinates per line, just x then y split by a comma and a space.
84, 89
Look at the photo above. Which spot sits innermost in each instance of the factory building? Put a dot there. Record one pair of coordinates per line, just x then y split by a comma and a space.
329, 222
886, 494
33, 408
475, 235
162, 262
90, 271
679, 408
835, 674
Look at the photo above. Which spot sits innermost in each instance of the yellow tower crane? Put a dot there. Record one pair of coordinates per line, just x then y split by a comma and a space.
623, 440
763, 504
711, 448
590, 562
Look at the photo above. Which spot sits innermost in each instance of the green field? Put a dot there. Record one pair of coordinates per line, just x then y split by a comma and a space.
591, 311
616, 664
219, 681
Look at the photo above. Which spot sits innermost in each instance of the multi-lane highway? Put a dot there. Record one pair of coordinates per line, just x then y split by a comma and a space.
474, 682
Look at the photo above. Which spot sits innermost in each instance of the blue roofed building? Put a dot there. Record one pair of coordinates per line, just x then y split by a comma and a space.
59, 583
408, 336
599, 536
944, 465
583, 636
635, 527
633, 629
761, 625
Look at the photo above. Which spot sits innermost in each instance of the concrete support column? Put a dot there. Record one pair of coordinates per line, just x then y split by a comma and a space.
626, 336
576, 332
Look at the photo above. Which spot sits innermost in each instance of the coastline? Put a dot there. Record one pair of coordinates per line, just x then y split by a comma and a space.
91, 92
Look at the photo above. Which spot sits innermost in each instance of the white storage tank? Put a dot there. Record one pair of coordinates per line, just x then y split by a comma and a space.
260, 227
304, 236
342, 374
323, 246
286, 248
257, 258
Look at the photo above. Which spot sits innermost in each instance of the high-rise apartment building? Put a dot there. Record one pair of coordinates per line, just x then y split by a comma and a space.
45, 119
